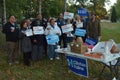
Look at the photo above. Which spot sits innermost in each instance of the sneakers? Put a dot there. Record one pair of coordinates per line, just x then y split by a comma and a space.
51, 59
57, 58
10, 64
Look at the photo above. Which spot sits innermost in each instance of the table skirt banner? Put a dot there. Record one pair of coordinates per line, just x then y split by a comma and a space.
77, 65
52, 38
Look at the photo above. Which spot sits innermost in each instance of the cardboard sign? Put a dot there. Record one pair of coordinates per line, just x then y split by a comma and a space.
52, 38
68, 15
82, 12
78, 65
29, 32
38, 30
67, 28
80, 32
79, 25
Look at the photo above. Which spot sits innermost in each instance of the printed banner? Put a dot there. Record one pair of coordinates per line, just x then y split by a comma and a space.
78, 65
52, 38
80, 32
67, 28
90, 41
68, 15
38, 30
82, 12
29, 32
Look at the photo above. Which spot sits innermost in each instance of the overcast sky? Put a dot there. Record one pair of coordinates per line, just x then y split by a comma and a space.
111, 3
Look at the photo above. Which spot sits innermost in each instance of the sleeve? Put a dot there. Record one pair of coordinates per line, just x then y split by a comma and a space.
99, 29
58, 30
6, 28
47, 31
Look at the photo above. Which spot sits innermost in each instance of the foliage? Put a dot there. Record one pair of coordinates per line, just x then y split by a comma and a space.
113, 15
117, 7
51, 8
29, 8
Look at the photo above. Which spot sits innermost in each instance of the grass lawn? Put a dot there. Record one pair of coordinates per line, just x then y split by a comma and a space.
54, 70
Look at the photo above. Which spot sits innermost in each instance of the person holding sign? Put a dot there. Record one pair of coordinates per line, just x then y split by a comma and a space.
79, 28
38, 39
69, 34
50, 30
61, 22
94, 28
26, 46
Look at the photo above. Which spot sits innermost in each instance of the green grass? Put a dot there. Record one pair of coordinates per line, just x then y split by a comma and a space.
54, 70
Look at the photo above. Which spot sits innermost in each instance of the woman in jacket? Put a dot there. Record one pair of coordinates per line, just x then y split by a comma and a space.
52, 29
25, 42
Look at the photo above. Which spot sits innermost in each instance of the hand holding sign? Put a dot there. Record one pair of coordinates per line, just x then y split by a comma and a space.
67, 28
38, 30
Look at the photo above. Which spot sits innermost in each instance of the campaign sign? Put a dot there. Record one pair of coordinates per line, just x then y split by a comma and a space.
52, 38
77, 65
38, 30
80, 32
90, 41
82, 12
29, 32
67, 28
68, 15
79, 25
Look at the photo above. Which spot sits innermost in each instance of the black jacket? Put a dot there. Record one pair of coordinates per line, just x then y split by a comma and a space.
11, 36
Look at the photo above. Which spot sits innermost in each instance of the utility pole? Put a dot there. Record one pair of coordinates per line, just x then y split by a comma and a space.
4, 7
65, 7
39, 6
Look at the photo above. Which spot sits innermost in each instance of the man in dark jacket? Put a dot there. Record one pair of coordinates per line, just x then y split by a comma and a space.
94, 28
38, 40
12, 33
60, 22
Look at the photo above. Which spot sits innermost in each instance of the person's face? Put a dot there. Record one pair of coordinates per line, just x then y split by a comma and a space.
39, 17
28, 22
52, 22
78, 18
68, 20
60, 16
25, 25
93, 16
12, 19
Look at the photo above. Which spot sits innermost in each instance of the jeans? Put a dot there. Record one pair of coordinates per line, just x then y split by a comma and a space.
52, 52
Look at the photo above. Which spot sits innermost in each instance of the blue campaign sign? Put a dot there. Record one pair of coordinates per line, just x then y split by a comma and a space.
80, 32
90, 41
52, 38
82, 12
77, 65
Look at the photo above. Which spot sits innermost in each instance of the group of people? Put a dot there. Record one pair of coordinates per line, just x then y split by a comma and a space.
35, 47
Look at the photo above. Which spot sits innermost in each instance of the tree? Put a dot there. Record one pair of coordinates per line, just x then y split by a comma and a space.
117, 7
113, 15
